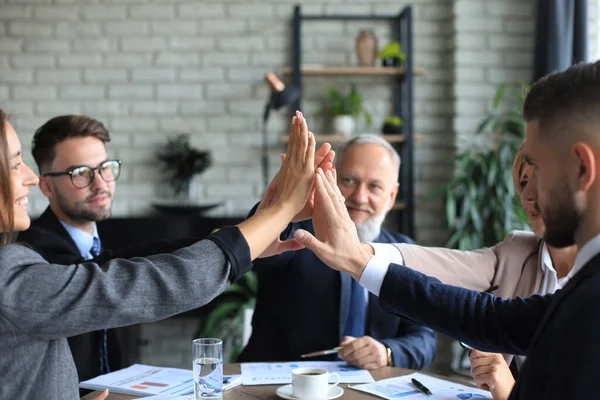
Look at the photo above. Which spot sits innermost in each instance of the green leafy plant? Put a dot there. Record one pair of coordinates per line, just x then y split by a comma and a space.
393, 120
392, 125
345, 104
181, 161
482, 203
226, 318
392, 51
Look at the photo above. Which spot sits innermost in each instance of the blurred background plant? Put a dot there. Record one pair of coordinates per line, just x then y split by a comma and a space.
482, 203
226, 318
182, 162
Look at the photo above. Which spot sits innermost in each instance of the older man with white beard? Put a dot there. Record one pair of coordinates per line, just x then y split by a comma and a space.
367, 171
303, 306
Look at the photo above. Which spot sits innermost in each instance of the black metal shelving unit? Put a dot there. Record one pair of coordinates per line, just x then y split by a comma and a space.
403, 95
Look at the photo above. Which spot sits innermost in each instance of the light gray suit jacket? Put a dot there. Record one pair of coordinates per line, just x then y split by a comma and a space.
514, 265
42, 304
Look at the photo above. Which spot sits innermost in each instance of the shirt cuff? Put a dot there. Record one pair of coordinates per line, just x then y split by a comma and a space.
374, 273
388, 250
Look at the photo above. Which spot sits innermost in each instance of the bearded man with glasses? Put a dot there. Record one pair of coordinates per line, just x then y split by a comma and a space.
78, 178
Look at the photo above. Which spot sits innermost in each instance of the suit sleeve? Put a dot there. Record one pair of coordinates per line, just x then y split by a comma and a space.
482, 320
51, 301
573, 360
267, 343
414, 347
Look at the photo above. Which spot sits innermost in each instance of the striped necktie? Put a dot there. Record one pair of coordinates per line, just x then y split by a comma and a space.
104, 367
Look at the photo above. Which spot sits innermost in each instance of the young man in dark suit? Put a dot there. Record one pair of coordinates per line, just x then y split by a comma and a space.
78, 178
558, 332
303, 306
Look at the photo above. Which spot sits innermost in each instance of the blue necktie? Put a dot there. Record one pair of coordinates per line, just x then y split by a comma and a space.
104, 368
355, 323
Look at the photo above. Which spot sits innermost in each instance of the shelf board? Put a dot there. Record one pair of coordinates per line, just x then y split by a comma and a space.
328, 71
333, 138
400, 205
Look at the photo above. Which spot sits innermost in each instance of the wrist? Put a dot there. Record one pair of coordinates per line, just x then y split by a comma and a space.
359, 263
368, 248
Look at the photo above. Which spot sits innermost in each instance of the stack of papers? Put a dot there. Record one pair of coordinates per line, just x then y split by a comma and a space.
402, 387
144, 380
281, 373
158, 382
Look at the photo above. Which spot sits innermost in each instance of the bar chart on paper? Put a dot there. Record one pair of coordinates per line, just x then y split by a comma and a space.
402, 388
281, 373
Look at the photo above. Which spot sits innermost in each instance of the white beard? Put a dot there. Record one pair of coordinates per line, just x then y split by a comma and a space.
370, 229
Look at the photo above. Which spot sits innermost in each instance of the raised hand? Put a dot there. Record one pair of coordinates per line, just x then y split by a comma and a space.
336, 242
323, 159
295, 179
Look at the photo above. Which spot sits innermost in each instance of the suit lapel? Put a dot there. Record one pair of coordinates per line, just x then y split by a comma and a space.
345, 293
49, 221
590, 268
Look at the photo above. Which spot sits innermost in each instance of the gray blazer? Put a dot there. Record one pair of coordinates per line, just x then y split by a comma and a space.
42, 304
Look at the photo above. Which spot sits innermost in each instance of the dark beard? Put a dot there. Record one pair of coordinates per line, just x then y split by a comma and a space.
78, 212
562, 220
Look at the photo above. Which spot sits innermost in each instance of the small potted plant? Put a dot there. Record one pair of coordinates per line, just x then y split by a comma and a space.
182, 162
392, 125
344, 109
392, 55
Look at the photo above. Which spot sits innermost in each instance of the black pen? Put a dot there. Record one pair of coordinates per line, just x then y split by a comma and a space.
421, 387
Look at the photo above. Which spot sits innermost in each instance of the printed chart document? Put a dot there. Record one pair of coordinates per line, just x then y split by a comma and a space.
402, 387
144, 380
281, 373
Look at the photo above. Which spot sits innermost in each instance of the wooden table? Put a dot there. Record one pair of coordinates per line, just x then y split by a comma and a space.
267, 392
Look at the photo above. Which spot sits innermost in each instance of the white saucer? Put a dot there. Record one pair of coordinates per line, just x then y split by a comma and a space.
285, 392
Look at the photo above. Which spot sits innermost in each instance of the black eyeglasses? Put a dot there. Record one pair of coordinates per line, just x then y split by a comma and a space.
83, 176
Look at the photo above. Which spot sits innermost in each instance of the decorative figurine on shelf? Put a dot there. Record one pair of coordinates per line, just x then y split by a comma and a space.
344, 109
392, 125
366, 48
392, 55
182, 162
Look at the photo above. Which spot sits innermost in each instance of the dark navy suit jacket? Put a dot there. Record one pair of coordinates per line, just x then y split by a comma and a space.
302, 306
559, 333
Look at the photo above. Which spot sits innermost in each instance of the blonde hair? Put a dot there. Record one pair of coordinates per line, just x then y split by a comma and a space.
517, 168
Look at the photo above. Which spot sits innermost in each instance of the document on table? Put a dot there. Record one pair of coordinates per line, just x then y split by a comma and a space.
402, 387
281, 373
144, 380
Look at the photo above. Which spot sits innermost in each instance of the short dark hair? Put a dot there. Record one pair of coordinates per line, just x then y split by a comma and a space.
574, 92
62, 128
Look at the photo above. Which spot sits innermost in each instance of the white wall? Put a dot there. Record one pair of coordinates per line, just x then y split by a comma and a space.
153, 69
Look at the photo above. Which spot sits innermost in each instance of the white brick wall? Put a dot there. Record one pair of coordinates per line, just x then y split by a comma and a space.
152, 70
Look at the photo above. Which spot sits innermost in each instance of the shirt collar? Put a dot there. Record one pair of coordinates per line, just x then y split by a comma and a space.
585, 254
547, 265
82, 239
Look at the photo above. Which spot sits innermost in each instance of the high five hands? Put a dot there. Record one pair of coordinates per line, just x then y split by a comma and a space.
323, 158
335, 241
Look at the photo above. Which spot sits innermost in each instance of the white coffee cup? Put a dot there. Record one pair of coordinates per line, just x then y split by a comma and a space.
312, 383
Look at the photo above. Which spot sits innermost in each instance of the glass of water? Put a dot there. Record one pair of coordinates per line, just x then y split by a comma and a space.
208, 368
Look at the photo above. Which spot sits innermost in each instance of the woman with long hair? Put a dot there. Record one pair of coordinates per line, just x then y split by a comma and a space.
42, 304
